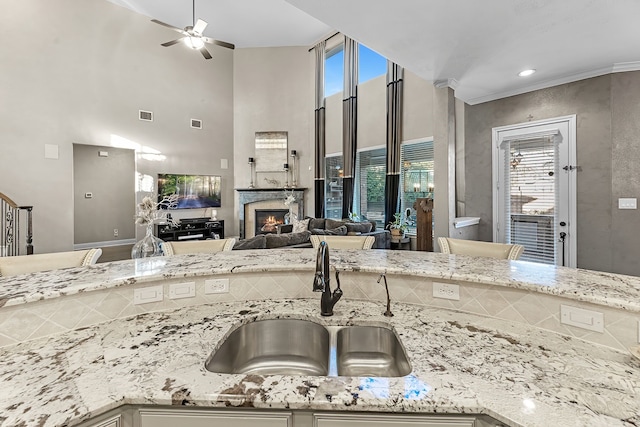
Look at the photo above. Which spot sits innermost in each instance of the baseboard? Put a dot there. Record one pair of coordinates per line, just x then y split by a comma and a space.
108, 243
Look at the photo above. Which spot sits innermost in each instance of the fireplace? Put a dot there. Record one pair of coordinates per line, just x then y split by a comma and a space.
251, 199
266, 220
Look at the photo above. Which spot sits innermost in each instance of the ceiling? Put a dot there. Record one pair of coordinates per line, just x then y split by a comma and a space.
476, 47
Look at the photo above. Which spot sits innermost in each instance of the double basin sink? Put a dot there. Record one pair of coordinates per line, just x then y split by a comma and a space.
302, 347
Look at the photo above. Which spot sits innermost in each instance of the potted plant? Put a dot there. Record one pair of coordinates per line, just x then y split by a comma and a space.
397, 227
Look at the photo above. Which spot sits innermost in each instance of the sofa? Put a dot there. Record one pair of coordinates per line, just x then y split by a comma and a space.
297, 235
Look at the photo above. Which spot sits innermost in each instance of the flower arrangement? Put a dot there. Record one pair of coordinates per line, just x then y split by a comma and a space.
398, 223
148, 210
289, 200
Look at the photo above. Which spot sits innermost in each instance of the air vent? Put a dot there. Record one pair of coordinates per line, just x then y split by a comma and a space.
147, 116
196, 124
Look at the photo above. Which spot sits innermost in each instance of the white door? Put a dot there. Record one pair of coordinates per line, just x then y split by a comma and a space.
534, 191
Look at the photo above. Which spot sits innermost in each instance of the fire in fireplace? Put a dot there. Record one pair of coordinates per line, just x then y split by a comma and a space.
268, 219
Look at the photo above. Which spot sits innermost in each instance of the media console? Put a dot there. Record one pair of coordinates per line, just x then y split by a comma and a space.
191, 229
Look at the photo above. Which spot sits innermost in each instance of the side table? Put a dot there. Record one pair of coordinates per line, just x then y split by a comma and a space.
401, 244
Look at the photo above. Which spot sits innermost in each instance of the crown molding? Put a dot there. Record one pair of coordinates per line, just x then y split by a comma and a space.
452, 83
621, 67
541, 85
618, 67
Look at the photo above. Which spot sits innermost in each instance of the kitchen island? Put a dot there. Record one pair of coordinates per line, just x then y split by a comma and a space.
463, 362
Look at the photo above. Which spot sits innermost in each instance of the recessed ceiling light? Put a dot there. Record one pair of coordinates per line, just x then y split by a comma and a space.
525, 73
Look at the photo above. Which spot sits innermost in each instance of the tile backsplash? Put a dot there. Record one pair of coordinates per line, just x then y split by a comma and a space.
42, 318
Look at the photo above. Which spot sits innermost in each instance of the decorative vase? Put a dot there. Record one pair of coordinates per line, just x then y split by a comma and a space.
148, 246
396, 234
290, 217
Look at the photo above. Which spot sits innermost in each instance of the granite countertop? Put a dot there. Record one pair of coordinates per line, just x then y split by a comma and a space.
606, 289
461, 363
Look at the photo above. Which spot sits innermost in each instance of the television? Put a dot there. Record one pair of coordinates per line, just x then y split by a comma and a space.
193, 191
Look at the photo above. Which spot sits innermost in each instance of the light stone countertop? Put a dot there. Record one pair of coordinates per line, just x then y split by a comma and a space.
462, 363
612, 290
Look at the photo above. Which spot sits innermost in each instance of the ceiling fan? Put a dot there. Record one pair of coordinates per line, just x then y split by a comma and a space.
192, 35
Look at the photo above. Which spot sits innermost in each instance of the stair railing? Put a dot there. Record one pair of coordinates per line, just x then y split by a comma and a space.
10, 214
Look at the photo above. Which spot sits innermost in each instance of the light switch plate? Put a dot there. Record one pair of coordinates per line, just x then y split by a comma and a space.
50, 151
216, 286
581, 318
182, 290
627, 203
148, 294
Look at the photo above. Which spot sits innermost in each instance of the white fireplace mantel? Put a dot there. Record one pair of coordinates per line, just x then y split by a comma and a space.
249, 196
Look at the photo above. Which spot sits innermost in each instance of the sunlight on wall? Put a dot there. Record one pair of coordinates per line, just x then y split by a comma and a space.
144, 183
142, 151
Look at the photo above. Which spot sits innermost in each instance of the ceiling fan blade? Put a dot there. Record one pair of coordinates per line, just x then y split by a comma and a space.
180, 30
205, 53
172, 42
219, 43
200, 26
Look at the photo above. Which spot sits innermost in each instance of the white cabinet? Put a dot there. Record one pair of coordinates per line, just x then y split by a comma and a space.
114, 421
391, 420
195, 418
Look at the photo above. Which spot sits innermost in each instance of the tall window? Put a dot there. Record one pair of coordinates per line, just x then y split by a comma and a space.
371, 169
334, 71
370, 64
416, 177
333, 186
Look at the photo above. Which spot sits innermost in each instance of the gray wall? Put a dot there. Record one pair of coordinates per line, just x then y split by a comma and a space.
607, 109
111, 181
80, 75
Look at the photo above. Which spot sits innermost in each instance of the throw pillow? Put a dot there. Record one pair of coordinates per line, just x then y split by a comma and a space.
300, 226
316, 223
358, 227
257, 242
287, 239
332, 223
340, 231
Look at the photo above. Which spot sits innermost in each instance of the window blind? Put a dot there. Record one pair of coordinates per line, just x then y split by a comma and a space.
416, 175
532, 191
371, 169
333, 186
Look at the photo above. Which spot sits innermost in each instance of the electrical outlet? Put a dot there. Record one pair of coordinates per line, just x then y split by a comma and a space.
115, 232
446, 291
216, 286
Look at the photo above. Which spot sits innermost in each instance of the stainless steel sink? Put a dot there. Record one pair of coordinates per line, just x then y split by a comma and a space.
301, 347
370, 351
272, 347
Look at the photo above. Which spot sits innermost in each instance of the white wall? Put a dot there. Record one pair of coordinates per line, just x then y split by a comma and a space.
78, 71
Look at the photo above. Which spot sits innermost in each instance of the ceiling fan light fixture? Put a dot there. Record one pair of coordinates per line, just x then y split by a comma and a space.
194, 42
526, 73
